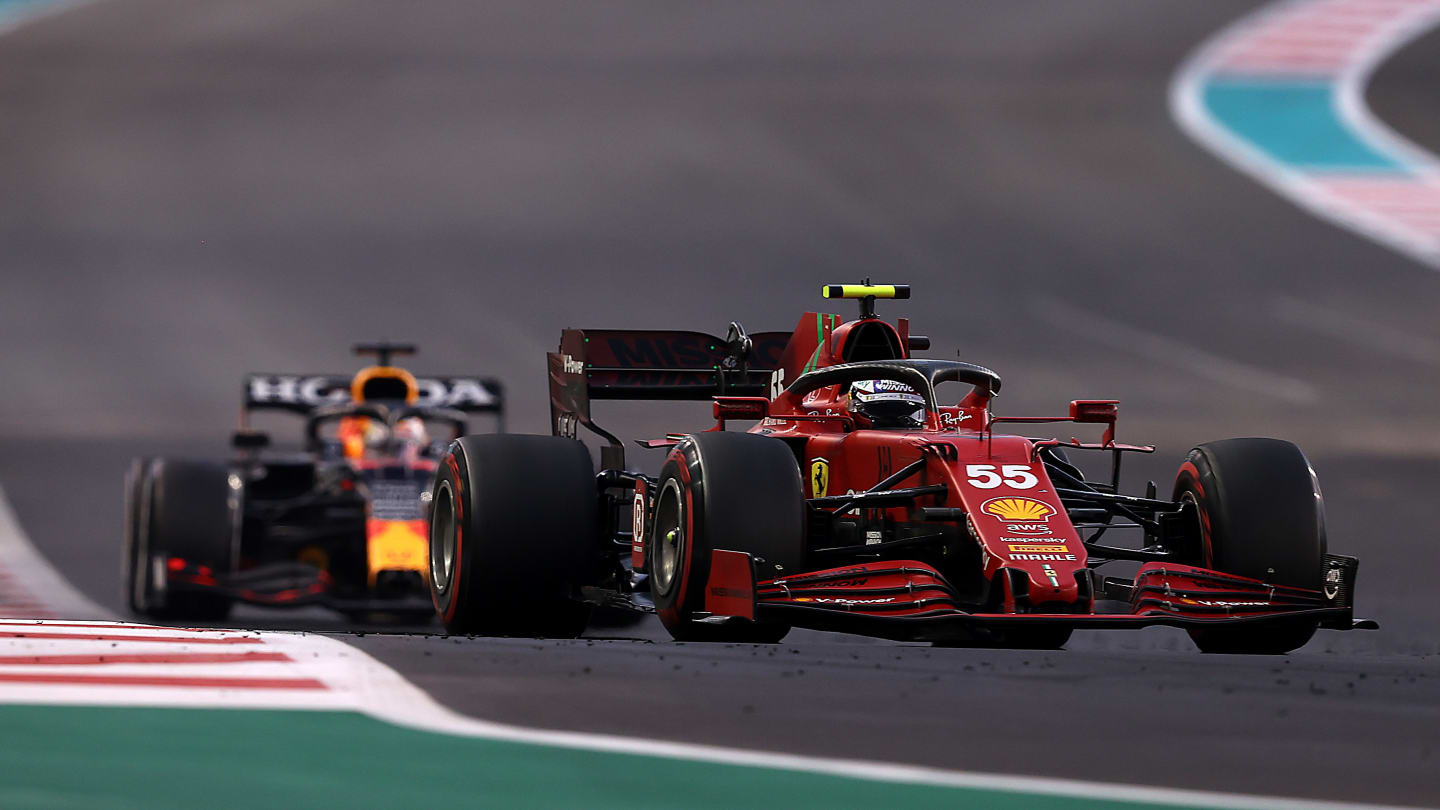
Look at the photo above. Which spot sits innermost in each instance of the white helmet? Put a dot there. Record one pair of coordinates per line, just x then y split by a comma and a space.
412, 430
887, 404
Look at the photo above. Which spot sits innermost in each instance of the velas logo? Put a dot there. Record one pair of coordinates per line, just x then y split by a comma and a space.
1020, 510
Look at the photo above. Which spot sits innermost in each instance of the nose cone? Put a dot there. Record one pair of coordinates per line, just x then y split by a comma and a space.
1053, 590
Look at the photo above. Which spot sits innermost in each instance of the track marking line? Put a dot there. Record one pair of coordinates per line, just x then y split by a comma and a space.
1170, 352
30, 587
53, 625
181, 681
140, 658
1369, 334
127, 637
1280, 95
346, 679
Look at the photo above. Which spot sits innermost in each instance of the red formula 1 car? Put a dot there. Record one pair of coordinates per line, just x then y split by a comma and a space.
866, 500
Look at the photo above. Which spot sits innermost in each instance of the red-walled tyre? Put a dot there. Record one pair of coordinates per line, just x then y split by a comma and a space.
732, 491
514, 522
1261, 516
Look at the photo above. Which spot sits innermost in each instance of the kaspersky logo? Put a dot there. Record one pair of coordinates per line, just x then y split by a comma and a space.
1018, 510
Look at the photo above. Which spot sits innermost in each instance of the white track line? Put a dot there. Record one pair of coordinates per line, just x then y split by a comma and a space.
27, 580
1170, 352
357, 682
396, 700
1344, 325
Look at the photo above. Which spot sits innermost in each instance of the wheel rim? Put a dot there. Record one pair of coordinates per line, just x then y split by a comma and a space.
669, 537
442, 537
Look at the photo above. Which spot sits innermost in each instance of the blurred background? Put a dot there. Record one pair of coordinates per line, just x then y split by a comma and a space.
192, 190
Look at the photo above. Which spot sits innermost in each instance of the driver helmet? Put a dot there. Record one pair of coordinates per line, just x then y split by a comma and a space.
359, 434
363, 435
886, 404
412, 429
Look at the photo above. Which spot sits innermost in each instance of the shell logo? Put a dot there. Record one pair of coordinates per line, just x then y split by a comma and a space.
1027, 510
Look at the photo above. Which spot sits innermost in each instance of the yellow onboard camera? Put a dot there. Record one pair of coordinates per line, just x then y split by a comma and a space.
866, 293
866, 290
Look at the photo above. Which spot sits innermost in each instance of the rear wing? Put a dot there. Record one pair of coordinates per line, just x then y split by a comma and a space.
636, 364
301, 393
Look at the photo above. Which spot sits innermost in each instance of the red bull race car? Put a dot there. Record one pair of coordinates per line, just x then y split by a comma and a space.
876, 493
342, 521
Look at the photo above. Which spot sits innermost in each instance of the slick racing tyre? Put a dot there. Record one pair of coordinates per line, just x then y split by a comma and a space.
514, 525
178, 509
1261, 516
732, 491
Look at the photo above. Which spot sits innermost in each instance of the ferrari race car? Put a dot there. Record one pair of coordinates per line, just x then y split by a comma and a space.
865, 501
343, 522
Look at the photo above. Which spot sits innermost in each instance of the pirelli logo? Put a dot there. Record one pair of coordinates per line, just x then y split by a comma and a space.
1037, 548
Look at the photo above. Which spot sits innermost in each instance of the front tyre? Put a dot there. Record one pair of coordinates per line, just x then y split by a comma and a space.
514, 526
1261, 516
732, 491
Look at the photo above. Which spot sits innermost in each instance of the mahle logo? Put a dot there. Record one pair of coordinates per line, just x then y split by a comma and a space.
1020, 510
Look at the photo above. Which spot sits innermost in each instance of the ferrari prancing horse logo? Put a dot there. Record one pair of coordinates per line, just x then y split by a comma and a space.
819, 477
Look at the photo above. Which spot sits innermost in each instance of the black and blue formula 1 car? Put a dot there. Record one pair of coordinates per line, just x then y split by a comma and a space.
341, 521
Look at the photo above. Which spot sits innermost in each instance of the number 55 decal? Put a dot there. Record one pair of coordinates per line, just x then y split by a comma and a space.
1016, 476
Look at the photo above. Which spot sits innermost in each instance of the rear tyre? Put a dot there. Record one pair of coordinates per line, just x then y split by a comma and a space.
514, 525
732, 491
1261, 516
178, 509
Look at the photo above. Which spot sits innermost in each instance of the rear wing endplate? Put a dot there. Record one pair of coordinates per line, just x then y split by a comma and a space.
635, 364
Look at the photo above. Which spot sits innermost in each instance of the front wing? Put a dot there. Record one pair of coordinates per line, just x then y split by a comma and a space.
907, 600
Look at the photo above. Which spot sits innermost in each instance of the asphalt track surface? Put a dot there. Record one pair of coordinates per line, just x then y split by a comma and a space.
194, 190
1401, 90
